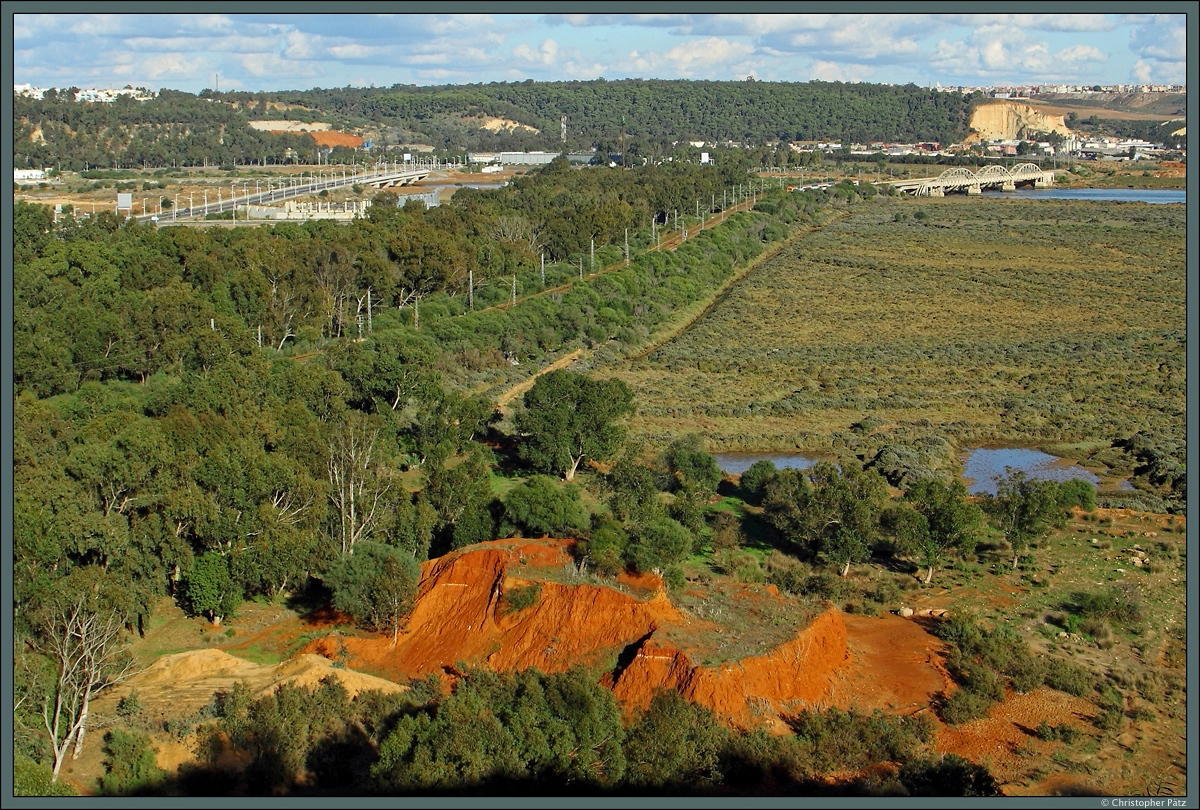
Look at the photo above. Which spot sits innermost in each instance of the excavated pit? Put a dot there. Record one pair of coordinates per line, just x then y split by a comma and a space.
459, 622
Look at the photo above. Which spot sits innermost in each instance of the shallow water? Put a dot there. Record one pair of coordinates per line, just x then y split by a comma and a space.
981, 468
985, 465
1146, 195
738, 463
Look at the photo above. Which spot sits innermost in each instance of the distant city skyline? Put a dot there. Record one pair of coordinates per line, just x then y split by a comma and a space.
272, 52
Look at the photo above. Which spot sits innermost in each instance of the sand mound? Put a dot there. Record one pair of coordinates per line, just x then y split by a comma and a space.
185, 682
492, 124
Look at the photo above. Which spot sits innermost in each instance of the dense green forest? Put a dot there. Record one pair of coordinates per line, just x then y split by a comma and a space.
599, 111
635, 117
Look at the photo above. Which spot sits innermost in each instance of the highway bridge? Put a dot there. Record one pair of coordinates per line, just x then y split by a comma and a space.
962, 179
288, 188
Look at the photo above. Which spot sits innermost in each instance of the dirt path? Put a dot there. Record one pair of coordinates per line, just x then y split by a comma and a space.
523, 386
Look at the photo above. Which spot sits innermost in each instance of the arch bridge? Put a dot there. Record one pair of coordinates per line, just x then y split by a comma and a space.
963, 180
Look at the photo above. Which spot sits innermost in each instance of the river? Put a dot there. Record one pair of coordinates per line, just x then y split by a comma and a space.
1158, 196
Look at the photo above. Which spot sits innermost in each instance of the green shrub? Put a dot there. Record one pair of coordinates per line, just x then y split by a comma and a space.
675, 743
674, 578
543, 506
605, 549
1060, 733
1070, 678
517, 599
964, 706
832, 740
1119, 604
1028, 677
754, 480
1112, 709
726, 532
662, 543
36, 779
129, 705
949, 776
786, 573
131, 768
1077, 492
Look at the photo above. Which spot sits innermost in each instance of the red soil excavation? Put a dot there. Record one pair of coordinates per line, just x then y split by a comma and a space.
458, 622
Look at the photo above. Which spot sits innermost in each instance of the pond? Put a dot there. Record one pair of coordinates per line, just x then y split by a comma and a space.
738, 463
981, 467
984, 465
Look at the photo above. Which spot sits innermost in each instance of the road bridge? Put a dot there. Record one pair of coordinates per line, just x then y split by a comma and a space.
288, 188
962, 179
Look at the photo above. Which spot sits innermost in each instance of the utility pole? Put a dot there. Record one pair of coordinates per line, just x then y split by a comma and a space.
626, 247
471, 287
593, 254
543, 269
581, 268
514, 290
369, 325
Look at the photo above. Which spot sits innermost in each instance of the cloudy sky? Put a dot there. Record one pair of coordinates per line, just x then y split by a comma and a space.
234, 51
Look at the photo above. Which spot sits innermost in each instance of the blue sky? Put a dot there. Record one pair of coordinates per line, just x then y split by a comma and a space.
258, 52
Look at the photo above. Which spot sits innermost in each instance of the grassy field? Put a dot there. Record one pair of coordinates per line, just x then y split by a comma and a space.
982, 321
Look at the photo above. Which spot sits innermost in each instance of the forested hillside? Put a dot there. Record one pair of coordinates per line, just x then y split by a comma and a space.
653, 110
172, 129
634, 116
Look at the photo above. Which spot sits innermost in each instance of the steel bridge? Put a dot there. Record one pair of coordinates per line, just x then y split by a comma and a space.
288, 188
963, 180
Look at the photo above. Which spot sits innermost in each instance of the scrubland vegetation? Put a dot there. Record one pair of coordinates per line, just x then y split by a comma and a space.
984, 322
163, 450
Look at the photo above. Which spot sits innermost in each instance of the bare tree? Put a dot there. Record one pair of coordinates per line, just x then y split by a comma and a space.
518, 231
358, 487
85, 646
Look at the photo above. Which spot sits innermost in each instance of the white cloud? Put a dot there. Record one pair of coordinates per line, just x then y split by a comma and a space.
268, 65
687, 56
1081, 53
546, 54
1141, 73
840, 72
354, 51
1034, 22
856, 38
300, 45
1164, 38
701, 58
174, 65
